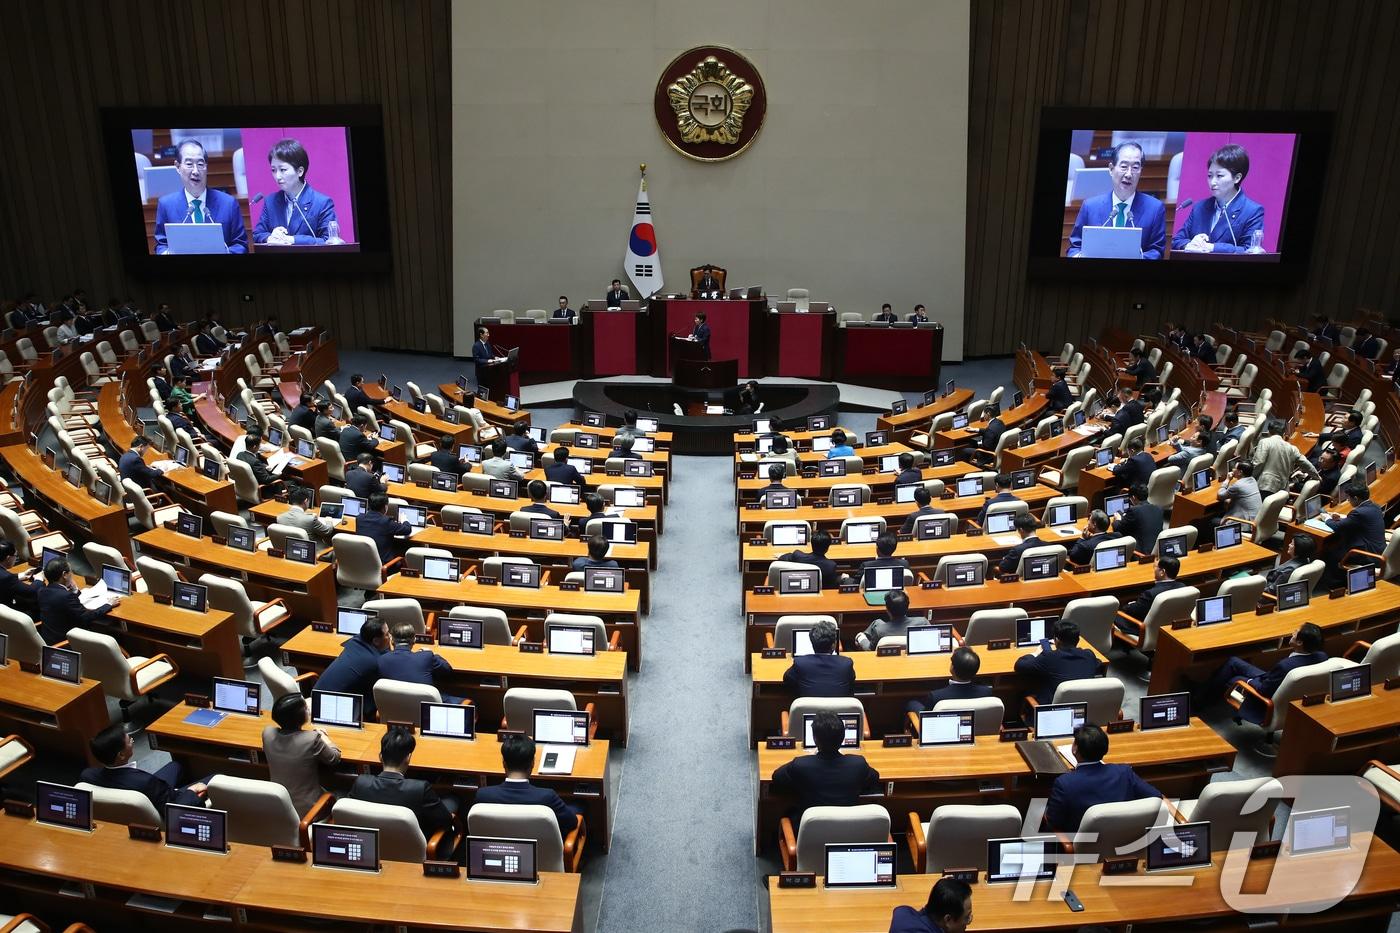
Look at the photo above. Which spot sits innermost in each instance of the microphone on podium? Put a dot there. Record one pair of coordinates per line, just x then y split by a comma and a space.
257, 199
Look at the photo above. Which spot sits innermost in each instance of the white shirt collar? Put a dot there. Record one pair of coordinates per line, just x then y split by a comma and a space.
1117, 201
203, 198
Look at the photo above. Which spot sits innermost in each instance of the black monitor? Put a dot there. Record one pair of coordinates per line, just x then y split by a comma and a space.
804, 581
191, 596
196, 828
349, 848
1294, 595
1164, 711
1022, 479
1040, 566
1175, 546
934, 527
187, 523
970, 486
353, 506
460, 633
879, 579
876, 438
964, 573
474, 523
1030, 857
560, 727
1114, 506
300, 550
62, 805
602, 580
1361, 579
638, 468
116, 579
586, 441
392, 473
447, 720
442, 569
242, 538
948, 727
443, 481
1212, 610
818, 422
619, 532
236, 696
4, 649
1228, 534
1351, 682
999, 523
1103, 456
546, 529
1179, 845
1033, 630
861, 865
1059, 720
834, 468
1111, 558
337, 709
780, 499
1026, 438
899, 407
502, 860
850, 738
571, 639
526, 576
929, 639
1199, 480
593, 419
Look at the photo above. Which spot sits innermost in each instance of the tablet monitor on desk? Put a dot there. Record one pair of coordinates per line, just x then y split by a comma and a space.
780, 499
788, 534
242, 539
899, 407
881, 579
929, 639
602, 580
1025, 857
522, 460
348, 848
1199, 480
236, 696
48, 555
561, 727
761, 426
191, 596
1228, 534
821, 444
1111, 558
1040, 567
849, 739
388, 433
526, 576
413, 515
965, 573
304, 448
209, 468
353, 506
876, 438
889, 463
620, 532
1311, 831
934, 527
943, 458
644, 423
800, 582
802, 643
102, 491
504, 860
1030, 632
904, 493
1361, 579
1022, 479
337, 709
1164, 711
629, 497
460, 633
949, 388
442, 569
503, 489
1026, 437
641, 468
183, 456
300, 550
863, 532
474, 523
189, 524
392, 473
951, 727
1350, 683
1293, 595
62, 805
469, 453
837, 468
564, 495
970, 486
196, 828
593, 419
818, 423
1059, 515
860, 865
571, 639
546, 529
1178, 846
959, 422
1059, 720
1103, 456
117, 579
1079, 419
1116, 505
1213, 610
999, 523
1312, 508
930, 396
447, 720
586, 441
443, 481
1174, 546
60, 664
1163, 432
764, 444
844, 498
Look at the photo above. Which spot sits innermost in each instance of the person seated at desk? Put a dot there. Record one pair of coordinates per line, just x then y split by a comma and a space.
1091, 782
1231, 423
598, 548
1368, 345
251, 454
401, 662
1136, 468
17, 592
206, 344
961, 685
1310, 370
294, 753
1361, 529
538, 491
1325, 329
563, 312
1227, 221
1305, 648
1026, 526
303, 416
1141, 520
355, 438
1060, 396
445, 459
519, 439
1206, 441
748, 402
1095, 533
1202, 349
920, 315
777, 472
885, 546
324, 425
1002, 482
821, 543
1240, 493
596, 509
1390, 369
924, 500
1057, 661
562, 471
886, 315
1164, 575
840, 445
1329, 473
182, 399
390, 537
132, 464
622, 449
393, 787
616, 294
700, 334
1301, 551
1129, 413
822, 673
949, 910
161, 377
629, 426
1345, 438
894, 623
908, 474
68, 324
299, 498
1139, 367
113, 749
361, 478
985, 439
60, 609
356, 668
498, 465
827, 778
1275, 460
355, 395
708, 285
518, 758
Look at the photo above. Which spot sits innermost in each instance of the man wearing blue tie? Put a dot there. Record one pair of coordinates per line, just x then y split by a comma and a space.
297, 215
1123, 206
701, 335
1227, 221
196, 202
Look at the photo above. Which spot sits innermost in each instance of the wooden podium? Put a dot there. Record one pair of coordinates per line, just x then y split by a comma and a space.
500, 379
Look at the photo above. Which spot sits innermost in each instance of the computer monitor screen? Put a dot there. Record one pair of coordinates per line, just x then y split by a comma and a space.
305, 448
475, 524
628, 497
593, 419
1212, 610
967, 573
1040, 566
1115, 505
946, 728
1200, 480
191, 596
1025, 857
447, 720
1022, 479
640, 468
780, 499
788, 535
60, 664
899, 407
414, 515
1228, 534
460, 633
602, 580
834, 468
800, 581
301, 550
242, 539
570, 639
888, 463
1174, 546
503, 489
1079, 419
644, 445
1293, 595
762, 425
393, 473
387, 432
1179, 845
471, 453
1111, 558
1164, 710
352, 848
850, 737
876, 438
4, 649
196, 828
1312, 507
561, 727
1351, 682
943, 457
934, 527
522, 460
845, 498
863, 532
818, 422
763, 444
332, 510
337, 709
586, 441
48, 555
1033, 630
1059, 720
1026, 437
189, 524
61, 805
619, 532
1312, 831
1361, 579
117, 579
564, 495
905, 493
236, 696
183, 456
1057, 515
1103, 456
353, 506
521, 575
102, 491
959, 422
508, 860
877, 579
442, 569
546, 529
970, 486
929, 639
999, 523
860, 865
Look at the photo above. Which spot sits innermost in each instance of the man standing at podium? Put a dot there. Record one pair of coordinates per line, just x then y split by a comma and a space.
617, 294
196, 202
700, 333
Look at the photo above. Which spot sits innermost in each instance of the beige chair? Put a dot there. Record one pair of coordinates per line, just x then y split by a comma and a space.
553, 852
24, 643
452, 514
415, 449
1223, 804
494, 566
940, 572
1311, 572
770, 526
277, 535
861, 488
160, 576
245, 485
1172, 606
400, 837
520, 704
402, 609
988, 713
280, 683
1078, 504
601, 641
260, 813
329, 451
988, 625
121, 806
786, 626
805, 849
400, 700
29, 545
148, 511
495, 627
1244, 592
956, 835
1161, 487
253, 618
357, 563
792, 719
1383, 777
1383, 656
413, 558
1048, 550
1094, 615
777, 567
1103, 696
1297, 683
126, 679
1185, 531
1110, 829
15, 753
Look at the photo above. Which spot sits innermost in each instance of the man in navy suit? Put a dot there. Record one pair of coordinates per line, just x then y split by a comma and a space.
1057, 662
1026, 527
1137, 469
1226, 221
1164, 581
357, 667
1123, 206
563, 312
297, 215
59, 606
1309, 370
112, 747
538, 490
481, 350
1095, 533
391, 786
1003, 494
1363, 528
924, 500
1091, 782
700, 333
961, 686
1129, 413
562, 471
821, 543
360, 477
389, 536
822, 673
414, 667
1306, 645
598, 548
908, 473
195, 202
518, 756
616, 294
445, 459
1059, 397
1142, 521
828, 778
132, 465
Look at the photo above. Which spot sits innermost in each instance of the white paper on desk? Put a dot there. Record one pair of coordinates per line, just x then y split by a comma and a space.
301, 330
1083, 430
564, 764
748, 458
1318, 524
1067, 532
95, 596
209, 363
1007, 540
278, 461
1067, 753
86, 338
165, 466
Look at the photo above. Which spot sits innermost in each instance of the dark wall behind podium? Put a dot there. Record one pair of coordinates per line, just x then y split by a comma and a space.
64, 59
1280, 55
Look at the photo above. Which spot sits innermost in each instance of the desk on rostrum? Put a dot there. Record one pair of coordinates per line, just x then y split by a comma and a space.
1131, 901
484, 675
253, 892
1178, 762
234, 746
53, 715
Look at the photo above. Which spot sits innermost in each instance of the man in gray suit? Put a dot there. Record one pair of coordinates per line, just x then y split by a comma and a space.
298, 517
1275, 459
498, 465
1241, 493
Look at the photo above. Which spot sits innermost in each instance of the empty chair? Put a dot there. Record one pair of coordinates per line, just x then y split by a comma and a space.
530, 821
1103, 696
1244, 592
260, 813
400, 701
601, 641
357, 563
143, 508
495, 627
127, 679
1161, 487
1383, 655
245, 484
413, 558
494, 566
277, 535
987, 712
1188, 532
956, 835
280, 683
1222, 804
1066, 478
222, 521
254, 618
987, 625
329, 451
805, 849
520, 704
160, 577
15, 753
1110, 829
1383, 777
24, 643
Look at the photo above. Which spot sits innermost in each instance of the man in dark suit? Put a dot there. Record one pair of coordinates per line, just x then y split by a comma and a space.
1346, 437
132, 464
59, 606
538, 491
1091, 782
1362, 529
1057, 661
707, 284
821, 543
415, 667
17, 592
1026, 527
616, 294
1003, 494
355, 395
827, 778
445, 459
1165, 579
885, 546
563, 312
822, 673
1203, 349
113, 749
1142, 521
303, 416
1329, 472
355, 438
361, 479
1324, 329
195, 202
1123, 206
1059, 397
1310, 370
596, 509
924, 499
160, 376
777, 472
960, 686
1129, 413
520, 439
1140, 368
562, 471
700, 333
391, 785
886, 315
1137, 468
1206, 441
920, 315
908, 473
1368, 345
1306, 645
390, 537
357, 667
518, 756
1095, 533
206, 344
1301, 551
597, 555
988, 437
251, 454
325, 425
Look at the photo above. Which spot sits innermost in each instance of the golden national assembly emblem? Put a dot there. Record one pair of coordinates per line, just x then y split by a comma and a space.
710, 103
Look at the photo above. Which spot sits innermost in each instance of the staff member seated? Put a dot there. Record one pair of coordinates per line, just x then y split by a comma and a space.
821, 543
960, 686
597, 556
894, 623
596, 509
1137, 468
1128, 414
1139, 367
294, 753
987, 438
885, 546
563, 312
132, 464
886, 315
1165, 576
355, 395
390, 537
445, 459
924, 500
251, 454
538, 490
393, 787
1306, 648
361, 479
357, 667
1003, 494
827, 778
1142, 521
518, 756
355, 438
1091, 782
1057, 661
1095, 533
1026, 527
498, 465
616, 294
1060, 396
562, 471
113, 749
822, 673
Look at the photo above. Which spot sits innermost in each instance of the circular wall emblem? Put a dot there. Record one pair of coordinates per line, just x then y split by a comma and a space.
710, 103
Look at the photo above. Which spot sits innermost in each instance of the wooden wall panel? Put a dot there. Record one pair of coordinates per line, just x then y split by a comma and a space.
1228, 54
64, 59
